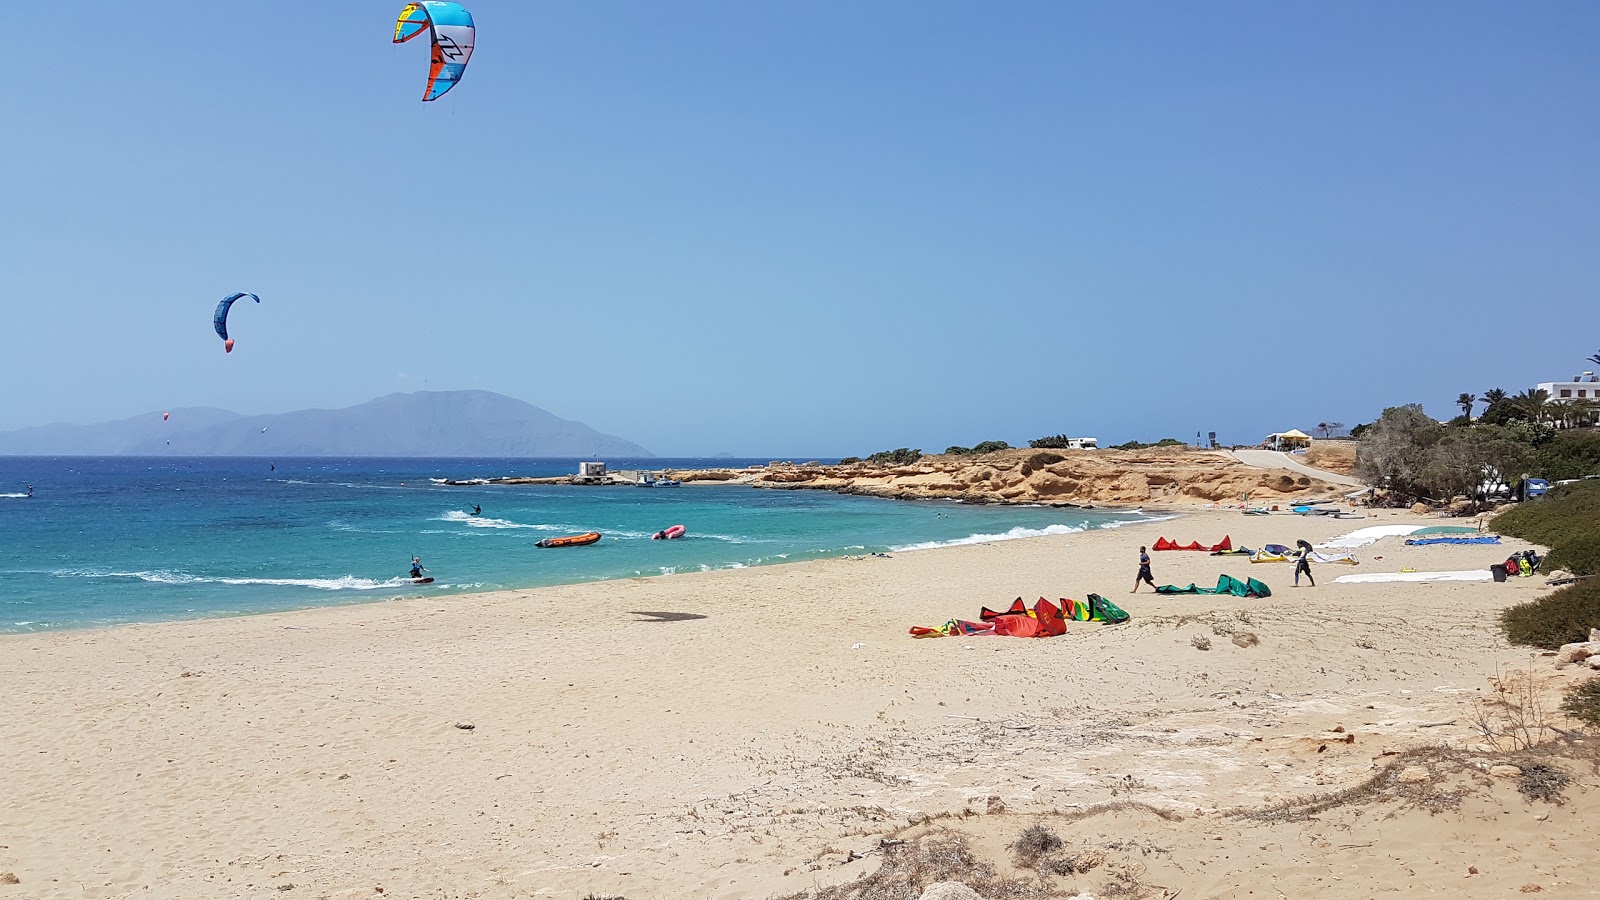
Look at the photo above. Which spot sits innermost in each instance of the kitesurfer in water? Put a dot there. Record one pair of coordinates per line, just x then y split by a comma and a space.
30, 490
477, 510
416, 567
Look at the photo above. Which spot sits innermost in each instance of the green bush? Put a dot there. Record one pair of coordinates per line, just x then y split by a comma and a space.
1563, 617
849, 460
1051, 442
1567, 520
1141, 445
902, 457
991, 447
1583, 702
957, 451
1039, 461
1570, 454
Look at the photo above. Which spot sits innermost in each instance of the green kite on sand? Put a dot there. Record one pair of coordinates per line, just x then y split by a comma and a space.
1226, 584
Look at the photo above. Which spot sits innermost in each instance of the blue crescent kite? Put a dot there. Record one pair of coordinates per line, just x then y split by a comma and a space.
450, 26
220, 320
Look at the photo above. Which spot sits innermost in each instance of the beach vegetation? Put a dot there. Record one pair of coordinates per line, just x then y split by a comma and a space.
1582, 702
1041, 460
1141, 445
955, 450
901, 457
1565, 521
1035, 842
1051, 442
1563, 617
991, 447
1570, 454
850, 460
1411, 457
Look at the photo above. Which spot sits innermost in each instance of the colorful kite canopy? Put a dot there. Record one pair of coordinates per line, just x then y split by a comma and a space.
220, 320
450, 26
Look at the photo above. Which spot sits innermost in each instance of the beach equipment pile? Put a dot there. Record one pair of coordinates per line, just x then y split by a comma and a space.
1164, 544
1045, 619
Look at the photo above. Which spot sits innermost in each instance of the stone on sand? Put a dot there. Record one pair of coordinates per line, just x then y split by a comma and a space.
949, 890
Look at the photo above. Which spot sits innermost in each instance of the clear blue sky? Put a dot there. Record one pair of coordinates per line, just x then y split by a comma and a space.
807, 228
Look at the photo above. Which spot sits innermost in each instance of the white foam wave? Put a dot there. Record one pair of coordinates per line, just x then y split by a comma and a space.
462, 518
13, 496
1137, 521
1012, 535
342, 583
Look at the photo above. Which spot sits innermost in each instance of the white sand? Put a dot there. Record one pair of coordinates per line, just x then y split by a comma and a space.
747, 752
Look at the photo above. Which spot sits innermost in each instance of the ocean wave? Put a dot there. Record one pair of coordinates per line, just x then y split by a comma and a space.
463, 518
1012, 535
1140, 521
13, 496
160, 576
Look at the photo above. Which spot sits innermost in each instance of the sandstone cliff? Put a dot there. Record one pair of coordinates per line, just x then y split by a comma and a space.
1113, 477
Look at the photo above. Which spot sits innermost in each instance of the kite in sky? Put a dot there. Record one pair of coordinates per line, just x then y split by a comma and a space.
220, 320
450, 27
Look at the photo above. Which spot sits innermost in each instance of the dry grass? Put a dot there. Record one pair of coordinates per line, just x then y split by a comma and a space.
1384, 785
1542, 781
1514, 717
1034, 844
910, 867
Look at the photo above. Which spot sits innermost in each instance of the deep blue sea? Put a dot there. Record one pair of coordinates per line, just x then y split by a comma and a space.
113, 540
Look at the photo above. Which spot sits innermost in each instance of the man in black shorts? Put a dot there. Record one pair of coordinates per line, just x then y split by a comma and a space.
1144, 571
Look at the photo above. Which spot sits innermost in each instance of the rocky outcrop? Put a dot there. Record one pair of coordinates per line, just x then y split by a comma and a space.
1063, 477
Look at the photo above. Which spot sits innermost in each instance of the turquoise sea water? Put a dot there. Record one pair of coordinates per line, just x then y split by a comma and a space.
115, 540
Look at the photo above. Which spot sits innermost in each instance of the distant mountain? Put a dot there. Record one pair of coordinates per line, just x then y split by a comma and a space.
427, 423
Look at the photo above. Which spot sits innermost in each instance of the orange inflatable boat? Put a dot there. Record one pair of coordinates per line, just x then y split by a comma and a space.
571, 540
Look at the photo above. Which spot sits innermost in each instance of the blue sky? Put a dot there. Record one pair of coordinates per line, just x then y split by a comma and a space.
820, 228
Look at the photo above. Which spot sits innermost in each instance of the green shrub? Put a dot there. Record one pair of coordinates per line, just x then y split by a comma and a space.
1563, 617
991, 447
1141, 445
902, 457
1570, 454
957, 451
1040, 461
1583, 702
1567, 520
1050, 442
849, 460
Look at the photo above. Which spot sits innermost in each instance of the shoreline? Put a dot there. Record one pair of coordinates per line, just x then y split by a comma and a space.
382, 595
729, 734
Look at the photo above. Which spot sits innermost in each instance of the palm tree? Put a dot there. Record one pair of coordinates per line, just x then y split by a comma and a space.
1586, 411
1465, 401
1595, 359
1562, 413
1534, 404
1494, 396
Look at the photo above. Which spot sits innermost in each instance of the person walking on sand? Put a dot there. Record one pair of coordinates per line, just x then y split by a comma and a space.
1303, 564
1144, 571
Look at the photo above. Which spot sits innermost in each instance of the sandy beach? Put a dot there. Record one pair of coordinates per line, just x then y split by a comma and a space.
756, 733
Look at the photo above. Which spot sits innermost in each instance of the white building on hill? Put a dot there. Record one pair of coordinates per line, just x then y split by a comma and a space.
1582, 387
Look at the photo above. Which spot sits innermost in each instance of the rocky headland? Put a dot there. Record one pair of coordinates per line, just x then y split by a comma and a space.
1077, 477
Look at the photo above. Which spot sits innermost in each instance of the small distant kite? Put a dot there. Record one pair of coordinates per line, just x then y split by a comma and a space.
220, 320
165, 416
450, 26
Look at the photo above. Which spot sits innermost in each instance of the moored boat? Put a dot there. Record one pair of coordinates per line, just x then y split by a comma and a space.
571, 540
